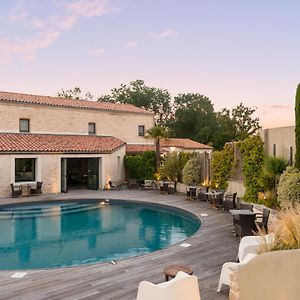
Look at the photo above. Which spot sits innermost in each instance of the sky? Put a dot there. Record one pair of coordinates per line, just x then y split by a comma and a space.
231, 51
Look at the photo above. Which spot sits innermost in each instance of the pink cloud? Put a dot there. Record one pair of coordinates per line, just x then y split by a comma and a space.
168, 33
131, 44
90, 8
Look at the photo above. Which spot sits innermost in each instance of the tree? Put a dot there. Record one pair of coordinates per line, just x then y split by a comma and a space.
244, 122
74, 94
137, 93
225, 129
194, 118
157, 133
297, 129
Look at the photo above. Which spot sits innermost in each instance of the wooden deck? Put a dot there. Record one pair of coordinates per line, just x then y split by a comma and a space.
211, 247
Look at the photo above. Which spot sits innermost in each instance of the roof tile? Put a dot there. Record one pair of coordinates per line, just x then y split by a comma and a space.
27, 142
64, 102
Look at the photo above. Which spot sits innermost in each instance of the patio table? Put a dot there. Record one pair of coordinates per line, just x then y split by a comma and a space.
241, 212
213, 196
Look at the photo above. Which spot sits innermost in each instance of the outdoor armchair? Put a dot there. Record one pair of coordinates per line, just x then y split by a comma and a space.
149, 185
182, 287
245, 225
262, 219
16, 190
114, 185
227, 269
38, 189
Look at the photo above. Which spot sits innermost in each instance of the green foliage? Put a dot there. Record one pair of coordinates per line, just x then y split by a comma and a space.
245, 124
222, 166
194, 118
171, 168
297, 130
191, 172
268, 198
137, 93
272, 169
74, 94
252, 156
140, 166
289, 186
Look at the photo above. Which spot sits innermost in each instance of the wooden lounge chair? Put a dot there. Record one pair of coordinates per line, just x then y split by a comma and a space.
38, 189
16, 190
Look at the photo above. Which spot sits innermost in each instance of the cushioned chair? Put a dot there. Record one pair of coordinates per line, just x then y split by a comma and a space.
227, 269
38, 189
201, 193
269, 276
218, 201
246, 206
16, 190
251, 244
182, 287
149, 185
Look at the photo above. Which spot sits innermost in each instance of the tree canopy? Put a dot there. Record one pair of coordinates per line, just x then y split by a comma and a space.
191, 115
137, 93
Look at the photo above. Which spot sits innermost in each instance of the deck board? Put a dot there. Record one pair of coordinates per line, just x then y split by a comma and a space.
211, 247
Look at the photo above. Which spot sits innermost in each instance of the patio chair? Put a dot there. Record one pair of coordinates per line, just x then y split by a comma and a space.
183, 286
227, 269
252, 244
192, 192
16, 190
245, 225
38, 189
171, 188
201, 194
262, 219
229, 201
218, 201
114, 185
246, 206
149, 185
132, 184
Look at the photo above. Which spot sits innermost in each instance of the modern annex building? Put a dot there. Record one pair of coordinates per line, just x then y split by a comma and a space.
66, 143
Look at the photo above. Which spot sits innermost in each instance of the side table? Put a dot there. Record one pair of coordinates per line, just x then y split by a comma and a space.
172, 270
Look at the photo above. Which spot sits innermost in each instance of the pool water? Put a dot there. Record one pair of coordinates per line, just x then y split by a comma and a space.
73, 233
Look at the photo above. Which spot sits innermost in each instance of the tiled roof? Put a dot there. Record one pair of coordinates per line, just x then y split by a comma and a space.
139, 148
183, 143
166, 143
27, 142
63, 102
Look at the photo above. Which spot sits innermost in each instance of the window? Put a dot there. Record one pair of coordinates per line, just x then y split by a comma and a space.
92, 128
141, 130
24, 125
24, 169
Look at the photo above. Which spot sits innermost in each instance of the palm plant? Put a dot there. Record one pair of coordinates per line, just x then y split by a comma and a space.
157, 133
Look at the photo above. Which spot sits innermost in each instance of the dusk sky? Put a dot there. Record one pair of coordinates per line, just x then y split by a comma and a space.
230, 51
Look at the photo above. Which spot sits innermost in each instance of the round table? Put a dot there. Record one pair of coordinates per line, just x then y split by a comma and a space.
172, 270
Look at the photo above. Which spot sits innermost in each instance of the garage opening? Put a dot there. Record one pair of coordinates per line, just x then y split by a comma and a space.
79, 173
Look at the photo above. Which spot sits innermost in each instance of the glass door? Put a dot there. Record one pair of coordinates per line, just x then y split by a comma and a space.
93, 173
64, 186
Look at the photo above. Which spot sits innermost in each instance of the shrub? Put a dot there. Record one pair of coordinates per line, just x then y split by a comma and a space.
289, 186
268, 198
171, 167
273, 167
191, 173
222, 166
286, 230
140, 166
252, 157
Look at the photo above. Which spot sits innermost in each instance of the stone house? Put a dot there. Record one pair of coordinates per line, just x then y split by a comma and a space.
66, 143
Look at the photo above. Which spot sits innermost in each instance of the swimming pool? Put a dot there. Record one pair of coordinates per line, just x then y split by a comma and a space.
72, 233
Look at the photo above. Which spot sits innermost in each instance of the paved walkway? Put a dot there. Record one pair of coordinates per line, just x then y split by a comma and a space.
211, 247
